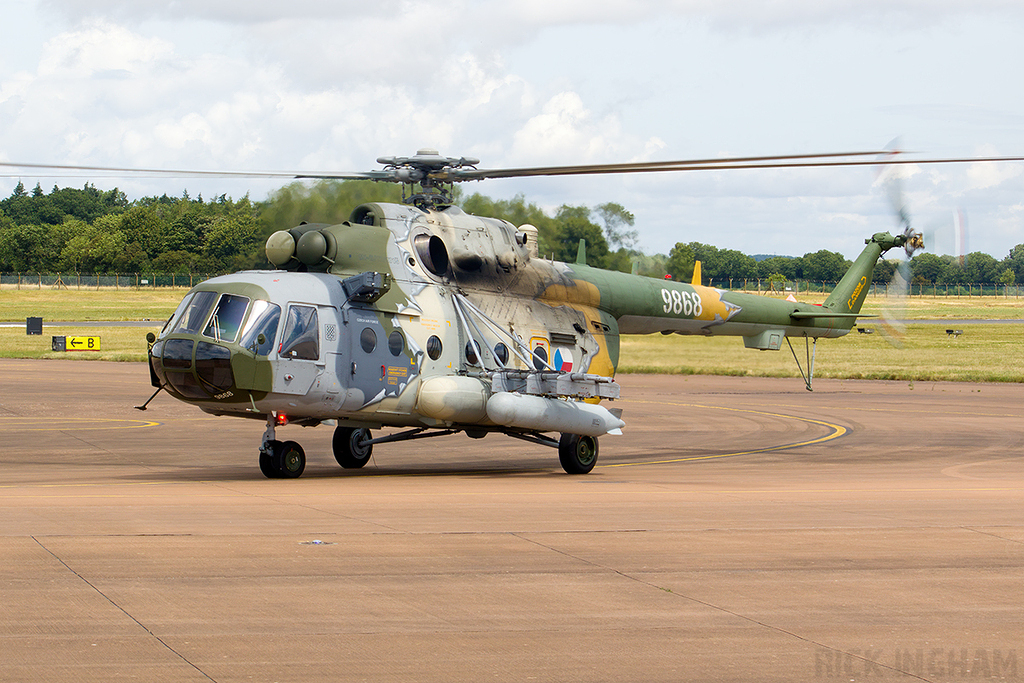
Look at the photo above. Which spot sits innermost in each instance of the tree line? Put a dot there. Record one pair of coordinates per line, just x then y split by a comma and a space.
92, 231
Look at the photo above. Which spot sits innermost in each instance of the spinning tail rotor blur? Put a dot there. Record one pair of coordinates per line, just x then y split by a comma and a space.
945, 237
894, 310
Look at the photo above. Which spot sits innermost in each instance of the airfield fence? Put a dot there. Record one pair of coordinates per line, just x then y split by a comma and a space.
760, 286
100, 281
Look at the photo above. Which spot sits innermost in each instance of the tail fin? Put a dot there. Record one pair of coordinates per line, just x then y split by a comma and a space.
848, 296
695, 280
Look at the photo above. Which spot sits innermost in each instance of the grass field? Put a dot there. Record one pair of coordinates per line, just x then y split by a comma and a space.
86, 304
989, 353
983, 353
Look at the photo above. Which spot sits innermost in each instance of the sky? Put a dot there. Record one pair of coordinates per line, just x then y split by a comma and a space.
330, 85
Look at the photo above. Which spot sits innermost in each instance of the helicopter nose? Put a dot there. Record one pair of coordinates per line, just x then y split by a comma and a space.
194, 370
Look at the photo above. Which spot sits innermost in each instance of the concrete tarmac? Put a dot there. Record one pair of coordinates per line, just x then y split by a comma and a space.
741, 529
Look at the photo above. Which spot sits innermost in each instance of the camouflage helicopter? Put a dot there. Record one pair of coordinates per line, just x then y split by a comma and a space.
423, 317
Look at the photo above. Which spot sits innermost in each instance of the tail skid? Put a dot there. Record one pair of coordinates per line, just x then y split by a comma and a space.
846, 300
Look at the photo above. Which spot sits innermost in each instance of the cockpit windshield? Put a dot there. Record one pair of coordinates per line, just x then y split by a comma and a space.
227, 318
192, 319
173, 320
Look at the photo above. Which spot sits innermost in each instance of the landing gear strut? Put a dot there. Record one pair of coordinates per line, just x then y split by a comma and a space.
811, 349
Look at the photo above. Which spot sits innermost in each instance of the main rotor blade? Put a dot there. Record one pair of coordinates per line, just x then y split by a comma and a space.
883, 158
179, 173
796, 161
654, 166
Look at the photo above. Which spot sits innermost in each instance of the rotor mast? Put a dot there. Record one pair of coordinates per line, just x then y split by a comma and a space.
435, 175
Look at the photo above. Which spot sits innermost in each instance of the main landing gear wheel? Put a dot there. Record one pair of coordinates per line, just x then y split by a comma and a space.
350, 447
284, 460
577, 453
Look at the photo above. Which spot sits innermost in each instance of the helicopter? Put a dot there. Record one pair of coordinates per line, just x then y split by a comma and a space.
423, 318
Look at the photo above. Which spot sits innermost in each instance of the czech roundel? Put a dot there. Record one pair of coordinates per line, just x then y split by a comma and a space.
563, 361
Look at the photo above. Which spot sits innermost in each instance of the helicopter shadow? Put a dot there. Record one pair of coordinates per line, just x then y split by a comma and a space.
240, 473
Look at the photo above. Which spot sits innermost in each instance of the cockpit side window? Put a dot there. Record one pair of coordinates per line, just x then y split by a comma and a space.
195, 315
227, 318
301, 338
264, 320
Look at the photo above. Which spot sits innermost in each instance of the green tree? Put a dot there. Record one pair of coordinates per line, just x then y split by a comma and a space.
710, 260
1015, 261
133, 259
35, 208
143, 228
736, 265
25, 248
650, 265
87, 204
781, 265
572, 223
178, 261
953, 273
231, 242
72, 238
89, 248
184, 233
981, 268
617, 222
721, 265
824, 266
927, 268
885, 271
680, 262
777, 282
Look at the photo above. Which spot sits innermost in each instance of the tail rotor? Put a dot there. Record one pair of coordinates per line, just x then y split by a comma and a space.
946, 237
912, 241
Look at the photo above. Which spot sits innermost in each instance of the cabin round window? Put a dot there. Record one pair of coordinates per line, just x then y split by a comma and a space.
501, 353
368, 339
396, 343
540, 358
472, 357
434, 347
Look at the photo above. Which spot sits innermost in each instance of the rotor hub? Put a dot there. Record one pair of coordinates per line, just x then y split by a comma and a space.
915, 241
434, 173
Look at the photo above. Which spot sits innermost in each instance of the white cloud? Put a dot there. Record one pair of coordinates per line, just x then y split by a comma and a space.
225, 84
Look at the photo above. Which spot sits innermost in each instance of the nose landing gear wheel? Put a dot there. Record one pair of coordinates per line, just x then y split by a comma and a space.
350, 447
284, 460
577, 453
293, 460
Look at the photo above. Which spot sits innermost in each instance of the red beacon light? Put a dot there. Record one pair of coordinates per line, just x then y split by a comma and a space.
281, 419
